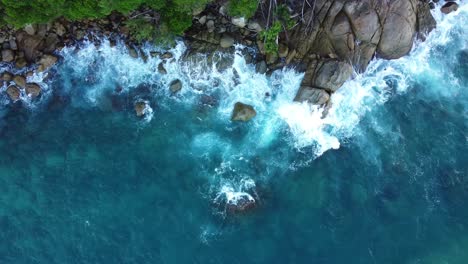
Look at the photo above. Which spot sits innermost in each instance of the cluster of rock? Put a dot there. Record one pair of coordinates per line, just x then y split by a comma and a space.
32, 48
339, 37
330, 41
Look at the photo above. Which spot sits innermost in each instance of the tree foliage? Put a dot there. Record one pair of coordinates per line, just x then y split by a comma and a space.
242, 8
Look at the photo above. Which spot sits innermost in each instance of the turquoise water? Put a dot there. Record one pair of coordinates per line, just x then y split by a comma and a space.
382, 179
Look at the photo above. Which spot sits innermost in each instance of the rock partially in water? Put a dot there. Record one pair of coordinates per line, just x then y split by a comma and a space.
449, 7
240, 203
261, 67
161, 69
328, 74
20, 81
166, 56
133, 53
141, 108
33, 90
175, 86
46, 62
243, 112
6, 76
312, 95
13, 92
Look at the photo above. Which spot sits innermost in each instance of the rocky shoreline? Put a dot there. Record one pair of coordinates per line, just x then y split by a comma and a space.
329, 42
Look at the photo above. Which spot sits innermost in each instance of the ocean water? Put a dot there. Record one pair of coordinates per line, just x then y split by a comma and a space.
382, 179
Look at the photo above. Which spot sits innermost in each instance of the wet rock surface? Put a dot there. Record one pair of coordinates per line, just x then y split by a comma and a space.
243, 112
175, 86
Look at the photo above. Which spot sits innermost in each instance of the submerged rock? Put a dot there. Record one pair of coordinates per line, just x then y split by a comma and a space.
175, 86
241, 203
33, 90
243, 112
13, 92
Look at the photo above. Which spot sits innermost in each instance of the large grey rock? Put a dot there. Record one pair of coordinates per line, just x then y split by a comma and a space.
312, 95
399, 29
426, 22
243, 112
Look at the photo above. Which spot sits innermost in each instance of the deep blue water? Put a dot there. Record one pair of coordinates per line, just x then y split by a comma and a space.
382, 179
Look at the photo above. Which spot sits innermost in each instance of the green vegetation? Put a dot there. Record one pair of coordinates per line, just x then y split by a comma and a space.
282, 22
176, 15
270, 37
242, 8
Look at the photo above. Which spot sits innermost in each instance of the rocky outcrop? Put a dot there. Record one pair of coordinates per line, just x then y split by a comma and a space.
335, 37
243, 112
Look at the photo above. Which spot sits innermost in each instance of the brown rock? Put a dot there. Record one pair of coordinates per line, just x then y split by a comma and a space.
21, 63
59, 29
6, 76
13, 92
243, 112
20, 81
312, 95
283, 50
226, 41
33, 90
140, 108
46, 62
8, 55
30, 45
399, 29
166, 56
